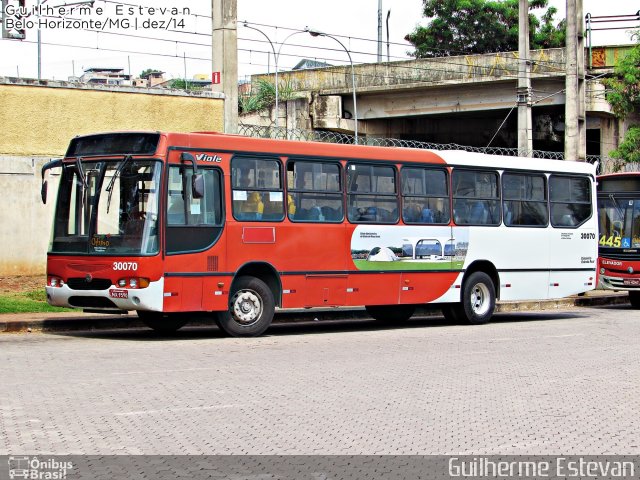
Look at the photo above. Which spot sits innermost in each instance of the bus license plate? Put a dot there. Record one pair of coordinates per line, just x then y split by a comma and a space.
631, 282
119, 293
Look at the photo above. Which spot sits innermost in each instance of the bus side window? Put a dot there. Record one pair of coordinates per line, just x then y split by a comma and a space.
476, 199
570, 199
193, 223
257, 189
524, 200
314, 191
372, 196
425, 195
175, 210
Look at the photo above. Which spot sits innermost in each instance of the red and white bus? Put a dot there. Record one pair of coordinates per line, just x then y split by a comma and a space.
167, 224
619, 237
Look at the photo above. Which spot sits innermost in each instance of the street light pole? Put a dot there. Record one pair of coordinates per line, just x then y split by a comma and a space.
39, 41
316, 33
276, 57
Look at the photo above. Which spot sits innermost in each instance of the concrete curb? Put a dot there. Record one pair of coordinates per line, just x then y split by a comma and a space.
76, 321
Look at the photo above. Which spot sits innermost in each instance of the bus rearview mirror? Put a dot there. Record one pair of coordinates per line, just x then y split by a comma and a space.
47, 166
197, 186
43, 192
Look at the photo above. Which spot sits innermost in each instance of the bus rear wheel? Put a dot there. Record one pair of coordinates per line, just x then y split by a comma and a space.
251, 309
634, 298
391, 313
162, 322
478, 299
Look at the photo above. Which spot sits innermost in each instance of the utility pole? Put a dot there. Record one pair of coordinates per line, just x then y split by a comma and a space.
575, 134
525, 130
225, 58
379, 31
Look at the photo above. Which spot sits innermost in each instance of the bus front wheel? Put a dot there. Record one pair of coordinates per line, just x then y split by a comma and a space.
478, 299
162, 322
634, 298
251, 309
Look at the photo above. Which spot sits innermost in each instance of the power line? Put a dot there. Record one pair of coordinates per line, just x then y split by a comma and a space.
408, 44
53, 44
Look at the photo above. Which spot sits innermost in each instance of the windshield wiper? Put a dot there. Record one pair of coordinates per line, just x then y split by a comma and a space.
616, 205
113, 179
83, 178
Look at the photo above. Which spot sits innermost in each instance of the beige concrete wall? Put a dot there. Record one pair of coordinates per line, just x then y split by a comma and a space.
37, 123
26, 222
40, 120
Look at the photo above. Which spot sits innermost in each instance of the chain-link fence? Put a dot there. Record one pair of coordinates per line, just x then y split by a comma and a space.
605, 164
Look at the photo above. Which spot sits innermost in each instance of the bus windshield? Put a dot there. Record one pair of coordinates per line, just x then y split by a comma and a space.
619, 220
108, 208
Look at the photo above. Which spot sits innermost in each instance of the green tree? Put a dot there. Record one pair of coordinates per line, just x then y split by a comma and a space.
623, 94
149, 71
459, 27
264, 96
629, 149
181, 84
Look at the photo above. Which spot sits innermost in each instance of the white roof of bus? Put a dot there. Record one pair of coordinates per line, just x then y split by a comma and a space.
461, 157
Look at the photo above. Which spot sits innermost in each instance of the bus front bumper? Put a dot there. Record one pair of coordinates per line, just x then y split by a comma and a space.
114, 298
619, 283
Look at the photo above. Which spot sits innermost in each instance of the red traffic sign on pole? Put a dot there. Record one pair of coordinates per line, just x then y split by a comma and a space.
215, 78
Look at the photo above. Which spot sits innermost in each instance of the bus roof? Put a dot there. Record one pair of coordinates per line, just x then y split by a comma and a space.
618, 175
228, 142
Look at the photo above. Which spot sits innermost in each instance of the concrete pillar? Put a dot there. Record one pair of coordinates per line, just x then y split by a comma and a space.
525, 130
575, 139
224, 15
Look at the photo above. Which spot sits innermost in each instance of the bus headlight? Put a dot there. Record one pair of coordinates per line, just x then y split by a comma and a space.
55, 282
133, 282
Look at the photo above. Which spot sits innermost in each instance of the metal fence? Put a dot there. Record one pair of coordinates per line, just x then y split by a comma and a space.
605, 164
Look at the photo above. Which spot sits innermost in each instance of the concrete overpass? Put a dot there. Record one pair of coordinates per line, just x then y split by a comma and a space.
449, 100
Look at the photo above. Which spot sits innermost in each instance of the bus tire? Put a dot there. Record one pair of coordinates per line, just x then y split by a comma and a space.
251, 308
391, 313
634, 298
162, 322
478, 299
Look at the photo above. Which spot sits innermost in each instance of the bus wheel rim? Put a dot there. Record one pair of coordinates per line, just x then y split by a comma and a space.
246, 307
480, 299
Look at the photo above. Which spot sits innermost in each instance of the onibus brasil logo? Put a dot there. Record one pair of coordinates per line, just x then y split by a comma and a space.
36, 469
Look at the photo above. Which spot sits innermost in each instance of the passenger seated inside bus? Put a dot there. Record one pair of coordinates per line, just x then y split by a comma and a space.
416, 213
273, 208
364, 214
251, 208
478, 214
331, 214
427, 216
411, 212
245, 180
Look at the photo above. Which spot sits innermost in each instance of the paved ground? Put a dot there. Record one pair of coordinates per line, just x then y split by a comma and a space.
555, 382
78, 321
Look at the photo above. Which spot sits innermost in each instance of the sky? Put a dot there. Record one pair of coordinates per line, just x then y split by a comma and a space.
122, 36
